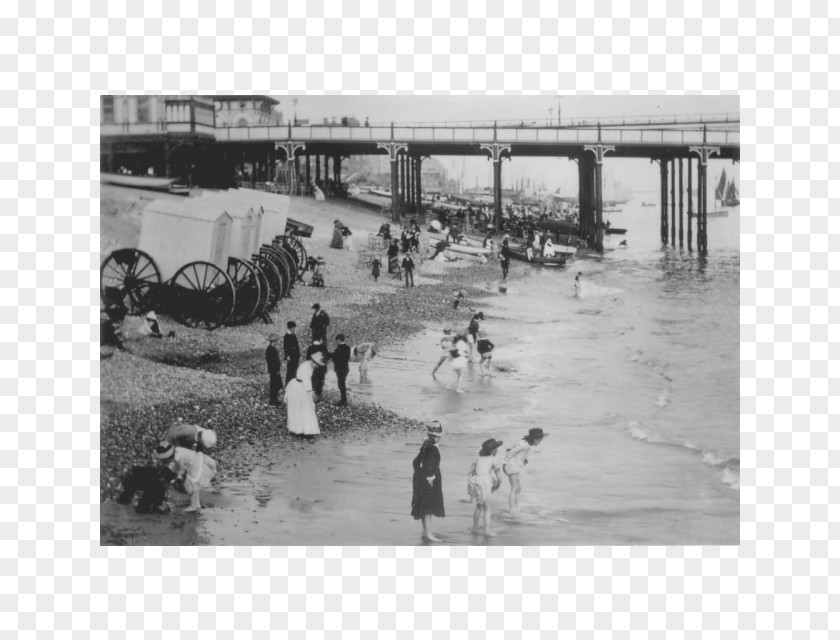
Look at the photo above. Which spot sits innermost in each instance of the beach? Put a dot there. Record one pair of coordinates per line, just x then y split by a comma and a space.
218, 379
635, 381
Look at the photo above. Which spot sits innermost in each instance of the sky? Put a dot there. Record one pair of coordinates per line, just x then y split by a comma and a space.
542, 110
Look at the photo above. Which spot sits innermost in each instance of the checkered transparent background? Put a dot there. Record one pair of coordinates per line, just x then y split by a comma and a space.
55, 62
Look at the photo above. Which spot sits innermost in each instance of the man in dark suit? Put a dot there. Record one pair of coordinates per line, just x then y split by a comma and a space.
319, 323
408, 268
272, 360
291, 351
341, 364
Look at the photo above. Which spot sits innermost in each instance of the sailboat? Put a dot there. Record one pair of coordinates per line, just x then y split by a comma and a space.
732, 198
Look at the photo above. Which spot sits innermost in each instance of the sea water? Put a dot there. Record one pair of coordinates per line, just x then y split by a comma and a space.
635, 381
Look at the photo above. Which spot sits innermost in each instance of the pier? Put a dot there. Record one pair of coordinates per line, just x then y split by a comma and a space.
682, 147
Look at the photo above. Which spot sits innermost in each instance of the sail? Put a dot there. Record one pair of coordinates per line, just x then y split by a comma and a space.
730, 192
721, 188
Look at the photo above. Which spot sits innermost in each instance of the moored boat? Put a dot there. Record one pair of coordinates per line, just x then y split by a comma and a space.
138, 182
556, 261
615, 231
461, 248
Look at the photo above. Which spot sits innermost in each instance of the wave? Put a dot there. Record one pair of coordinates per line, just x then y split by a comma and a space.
730, 467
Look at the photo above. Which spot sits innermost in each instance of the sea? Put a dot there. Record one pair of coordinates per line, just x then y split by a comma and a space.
635, 382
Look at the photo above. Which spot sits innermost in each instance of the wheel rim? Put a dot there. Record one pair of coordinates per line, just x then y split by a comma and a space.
297, 249
203, 296
275, 281
290, 261
282, 267
264, 291
130, 277
247, 288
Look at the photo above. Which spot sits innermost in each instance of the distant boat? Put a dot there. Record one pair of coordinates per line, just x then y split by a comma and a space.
611, 210
615, 231
718, 213
138, 182
648, 204
557, 261
732, 198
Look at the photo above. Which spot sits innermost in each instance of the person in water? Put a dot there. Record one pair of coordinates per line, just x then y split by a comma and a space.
485, 477
485, 351
515, 461
460, 355
445, 347
427, 483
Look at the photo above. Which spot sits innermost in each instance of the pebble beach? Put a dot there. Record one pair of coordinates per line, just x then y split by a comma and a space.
217, 379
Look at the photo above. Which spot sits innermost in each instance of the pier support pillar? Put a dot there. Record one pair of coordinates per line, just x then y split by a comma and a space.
496, 150
308, 177
663, 200
681, 203
690, 206
419, 185
702, 201
394, 148
318, 170
326, 169
401, 170
410, 178
673, 202
600, 150
337, 169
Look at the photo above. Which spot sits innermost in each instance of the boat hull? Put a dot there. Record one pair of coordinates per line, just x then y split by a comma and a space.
557, 261
460, 248
612, 231
137, 182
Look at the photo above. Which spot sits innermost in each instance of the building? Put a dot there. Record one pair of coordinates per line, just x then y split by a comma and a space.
154, 135
246, 111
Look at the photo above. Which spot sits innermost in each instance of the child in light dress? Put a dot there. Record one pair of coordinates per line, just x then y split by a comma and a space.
195, 468
485, 477
515, 461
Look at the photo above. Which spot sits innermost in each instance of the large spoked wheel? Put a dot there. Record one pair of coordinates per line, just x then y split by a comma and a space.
296, 247
290, 261
247, 287
129, 277
264, 291
275, 281
282, 268
203, 296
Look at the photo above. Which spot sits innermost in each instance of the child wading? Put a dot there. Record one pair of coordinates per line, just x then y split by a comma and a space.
515, 461
196, 469
484, 478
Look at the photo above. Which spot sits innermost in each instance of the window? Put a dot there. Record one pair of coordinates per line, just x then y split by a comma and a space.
107, 116
143, 103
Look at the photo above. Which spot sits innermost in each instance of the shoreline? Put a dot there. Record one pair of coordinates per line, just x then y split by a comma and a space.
218, 380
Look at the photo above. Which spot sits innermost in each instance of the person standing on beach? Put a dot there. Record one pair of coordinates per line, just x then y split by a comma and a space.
319, 323
515, 461
319, 375
577, 284
341, 365
445, 348
408, 268
504, 260
301, 418
484, 478
427, 483
291, 350
376, 270
272, 361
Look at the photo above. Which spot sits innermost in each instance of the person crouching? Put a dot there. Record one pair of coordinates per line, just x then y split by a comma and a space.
196, 469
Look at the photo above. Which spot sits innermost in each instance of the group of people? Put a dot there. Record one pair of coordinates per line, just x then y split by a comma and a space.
304, 381
460, 347
484, 477
342, 236
111, 329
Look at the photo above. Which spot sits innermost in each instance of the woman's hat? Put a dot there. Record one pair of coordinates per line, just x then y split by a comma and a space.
488, 446
536, 433
319, 360
151, 315
164, 451
447, 330
208, 438
434, 429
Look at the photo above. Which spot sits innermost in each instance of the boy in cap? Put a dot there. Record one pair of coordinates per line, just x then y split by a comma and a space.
272, 361
341, 365
319, 323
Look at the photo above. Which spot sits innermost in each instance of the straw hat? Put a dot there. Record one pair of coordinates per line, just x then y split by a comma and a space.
536, 433
434, 428
208, 438
273, 337
151, 315
164, 451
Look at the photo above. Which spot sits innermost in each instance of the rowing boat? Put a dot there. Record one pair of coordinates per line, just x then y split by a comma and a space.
556, 261
460, 248
138, 182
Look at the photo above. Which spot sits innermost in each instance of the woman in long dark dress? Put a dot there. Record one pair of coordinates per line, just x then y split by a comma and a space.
427, 497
